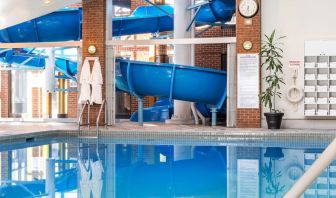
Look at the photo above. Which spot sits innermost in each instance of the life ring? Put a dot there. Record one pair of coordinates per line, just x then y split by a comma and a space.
298, 97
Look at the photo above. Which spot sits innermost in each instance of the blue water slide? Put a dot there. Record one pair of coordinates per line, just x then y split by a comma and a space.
161, 111
144, 19
18, 58
139, 78
28, 59
66, 25
36, 188
180, 82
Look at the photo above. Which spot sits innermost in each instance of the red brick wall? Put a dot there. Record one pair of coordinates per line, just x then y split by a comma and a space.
248, 118
94, 14
5, 93
137, 3
209, 55
72, 103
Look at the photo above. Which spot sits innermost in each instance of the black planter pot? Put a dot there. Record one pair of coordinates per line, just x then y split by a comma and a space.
274, 120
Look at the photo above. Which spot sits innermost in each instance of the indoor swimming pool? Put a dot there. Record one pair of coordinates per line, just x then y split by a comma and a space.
146, 166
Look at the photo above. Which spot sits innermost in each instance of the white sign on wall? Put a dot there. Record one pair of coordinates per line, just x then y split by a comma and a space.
248, 178
248, 81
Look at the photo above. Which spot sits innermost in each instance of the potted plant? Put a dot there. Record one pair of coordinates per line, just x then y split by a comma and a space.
273, 186
271, 54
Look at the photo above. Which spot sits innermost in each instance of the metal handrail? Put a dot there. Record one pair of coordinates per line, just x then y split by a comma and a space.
325, 159
98, 117
81, 115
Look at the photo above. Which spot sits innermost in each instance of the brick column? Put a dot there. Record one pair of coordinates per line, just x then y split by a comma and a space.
137, 3
5, 88
72, 103
248, 118
94, 30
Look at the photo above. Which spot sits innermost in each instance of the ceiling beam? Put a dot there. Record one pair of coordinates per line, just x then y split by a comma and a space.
184, 41
42, 44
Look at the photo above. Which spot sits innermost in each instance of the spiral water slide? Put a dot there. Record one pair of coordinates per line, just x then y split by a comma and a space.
141, 79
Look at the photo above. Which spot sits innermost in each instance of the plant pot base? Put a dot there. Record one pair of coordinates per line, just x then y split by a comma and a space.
274, 120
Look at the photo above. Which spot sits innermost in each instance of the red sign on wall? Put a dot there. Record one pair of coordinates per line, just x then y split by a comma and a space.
294, 64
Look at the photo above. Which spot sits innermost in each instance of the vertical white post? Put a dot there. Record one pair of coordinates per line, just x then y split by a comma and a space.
49, 86
231, 85
110, 172
50, 178
231, 156
182, 55
49, 71
109, 67
79, 65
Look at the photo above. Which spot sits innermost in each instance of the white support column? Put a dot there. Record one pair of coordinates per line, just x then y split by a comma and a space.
110, 172
231, 169
50, 178
182, 55
110, 67
231, 85
49, 71
49, 85
79, 66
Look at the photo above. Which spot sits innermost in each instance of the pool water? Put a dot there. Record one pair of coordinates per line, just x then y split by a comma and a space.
72, 167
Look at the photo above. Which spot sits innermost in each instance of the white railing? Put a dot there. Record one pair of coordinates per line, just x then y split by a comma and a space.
98, 118
326, 158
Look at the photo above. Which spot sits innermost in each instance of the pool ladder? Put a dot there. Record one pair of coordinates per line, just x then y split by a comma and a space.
81, 116
88, 120
98, 117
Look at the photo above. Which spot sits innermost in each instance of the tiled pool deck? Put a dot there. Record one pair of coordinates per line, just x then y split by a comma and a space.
21, 129
152, 133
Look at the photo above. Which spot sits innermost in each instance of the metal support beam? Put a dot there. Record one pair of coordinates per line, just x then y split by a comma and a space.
42, 44
140, 111
213, 117
178, 41
194, 18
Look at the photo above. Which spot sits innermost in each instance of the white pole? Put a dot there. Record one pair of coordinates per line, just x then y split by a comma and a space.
109, 67
49, 82
50, 178
50, 70
326, 158
182, 55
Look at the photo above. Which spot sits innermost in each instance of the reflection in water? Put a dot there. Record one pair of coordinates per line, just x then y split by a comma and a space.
92, 170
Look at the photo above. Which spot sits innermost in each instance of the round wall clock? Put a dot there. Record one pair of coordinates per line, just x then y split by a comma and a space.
92, 49
247, 45
248, 8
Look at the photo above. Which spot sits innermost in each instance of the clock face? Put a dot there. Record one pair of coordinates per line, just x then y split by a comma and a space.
247, 45
248, 8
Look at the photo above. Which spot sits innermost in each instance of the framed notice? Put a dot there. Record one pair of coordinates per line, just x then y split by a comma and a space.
248, 178
248, 81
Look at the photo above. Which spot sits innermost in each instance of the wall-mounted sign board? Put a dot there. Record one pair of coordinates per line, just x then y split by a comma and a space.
248, 81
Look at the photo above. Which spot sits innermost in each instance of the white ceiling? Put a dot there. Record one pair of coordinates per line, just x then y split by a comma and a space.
13, 12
